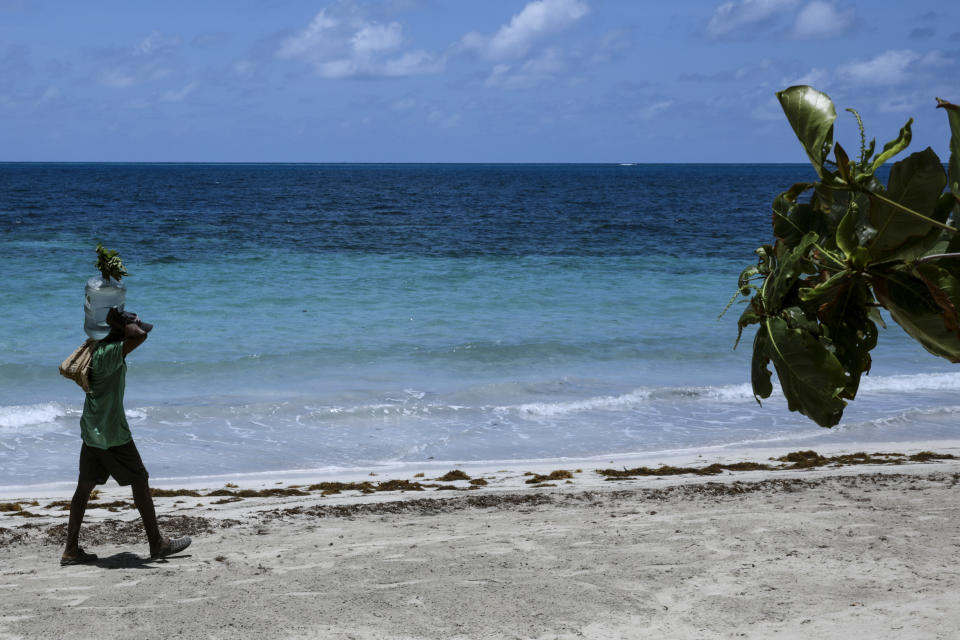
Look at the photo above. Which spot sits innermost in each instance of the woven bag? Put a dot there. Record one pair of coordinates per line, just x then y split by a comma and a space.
77, 365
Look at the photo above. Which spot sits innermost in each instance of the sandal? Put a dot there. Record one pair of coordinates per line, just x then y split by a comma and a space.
82, 557
172, 546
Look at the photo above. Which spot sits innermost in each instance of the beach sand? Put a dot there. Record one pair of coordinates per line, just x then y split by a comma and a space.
823, 552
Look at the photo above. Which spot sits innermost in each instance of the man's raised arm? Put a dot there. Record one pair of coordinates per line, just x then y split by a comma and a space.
133, 337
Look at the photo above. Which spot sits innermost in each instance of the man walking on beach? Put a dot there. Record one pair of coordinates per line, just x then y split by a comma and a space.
108, 448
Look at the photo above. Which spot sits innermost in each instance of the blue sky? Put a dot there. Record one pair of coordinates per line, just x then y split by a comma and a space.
461, 81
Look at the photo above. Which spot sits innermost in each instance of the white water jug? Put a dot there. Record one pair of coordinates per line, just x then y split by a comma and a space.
99, 296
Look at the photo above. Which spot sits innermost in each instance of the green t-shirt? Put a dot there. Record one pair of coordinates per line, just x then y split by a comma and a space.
103, 424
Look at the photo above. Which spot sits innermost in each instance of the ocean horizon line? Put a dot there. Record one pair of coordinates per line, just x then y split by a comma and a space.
398, 163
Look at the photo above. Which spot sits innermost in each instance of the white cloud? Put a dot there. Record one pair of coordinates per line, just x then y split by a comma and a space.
404, 104
156, 44
413, 63
887, 69
443, 120
149, 60
242, 67
535, 20
345, 47
936, 58
814, 77
901, 104
178, 96
769, 111
117, 79
737, 15
653, 110
537, 71
821, 20
377, 37
310, 39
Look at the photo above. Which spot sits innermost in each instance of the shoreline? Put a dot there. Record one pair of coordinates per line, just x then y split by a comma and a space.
723, 454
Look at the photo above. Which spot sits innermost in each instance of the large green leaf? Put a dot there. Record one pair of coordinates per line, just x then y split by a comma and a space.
811, 114
852, 339
841, 303
791, 220
937, 240
759, 365
797, 318
942, 282
834, 204
810, 375
843, 163
918, 310
854, 228
749, 316
893, 147
790, 264
826, 292
849, 329
916, 183
790, 224
953, 115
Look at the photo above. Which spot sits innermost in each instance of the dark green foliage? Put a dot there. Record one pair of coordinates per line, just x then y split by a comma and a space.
953, 114
109, 264
852, 246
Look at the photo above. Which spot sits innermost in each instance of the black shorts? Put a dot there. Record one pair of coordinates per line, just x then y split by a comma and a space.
123, 463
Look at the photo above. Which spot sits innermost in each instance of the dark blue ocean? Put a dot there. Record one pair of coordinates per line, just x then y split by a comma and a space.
374, 316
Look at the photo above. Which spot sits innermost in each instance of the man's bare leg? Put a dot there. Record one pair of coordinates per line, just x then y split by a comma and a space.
160, 547
144, 502
78, 506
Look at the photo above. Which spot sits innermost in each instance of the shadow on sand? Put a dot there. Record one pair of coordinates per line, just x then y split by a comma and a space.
129, 560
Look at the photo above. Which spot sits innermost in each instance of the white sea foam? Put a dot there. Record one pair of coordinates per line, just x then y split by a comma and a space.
549, 409
927, 416
915, 382
17, 416
635, 398
734, 393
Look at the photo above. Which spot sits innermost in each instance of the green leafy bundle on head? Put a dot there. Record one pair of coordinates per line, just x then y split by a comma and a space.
109, 263
853, 247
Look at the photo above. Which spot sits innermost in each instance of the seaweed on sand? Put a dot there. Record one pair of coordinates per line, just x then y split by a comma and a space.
455, 474
173, 493
792, 461
399, 485
114, 506
668, 470
261, 493
811, 459
559, 474
332, 488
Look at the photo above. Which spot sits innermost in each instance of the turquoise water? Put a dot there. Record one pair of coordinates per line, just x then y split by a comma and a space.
355, 316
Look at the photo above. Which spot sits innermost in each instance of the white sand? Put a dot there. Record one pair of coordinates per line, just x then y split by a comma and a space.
825, 553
